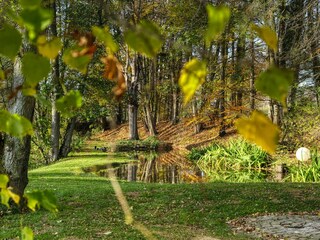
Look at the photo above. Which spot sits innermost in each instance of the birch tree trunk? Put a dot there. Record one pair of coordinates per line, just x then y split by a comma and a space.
17, 151
55, 117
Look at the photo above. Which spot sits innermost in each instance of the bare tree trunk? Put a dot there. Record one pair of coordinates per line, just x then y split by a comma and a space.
55, 120
198, 125
253, 76
236, 95
2, 142
132, 172
55, 132
149, 121
17, 151
67, 139
132, 83
224, 55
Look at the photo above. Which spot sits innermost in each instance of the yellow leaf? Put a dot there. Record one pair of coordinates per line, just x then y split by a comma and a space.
49, 49
5, 196
29, 92
260, 130
15, 197
27, 234
267, 35
192, 77
4, 179
218, 18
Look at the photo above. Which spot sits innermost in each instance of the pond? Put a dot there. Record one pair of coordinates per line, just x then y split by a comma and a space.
152, 167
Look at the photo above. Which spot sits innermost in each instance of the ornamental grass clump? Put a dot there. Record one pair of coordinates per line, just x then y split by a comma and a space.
307, 171
236, 161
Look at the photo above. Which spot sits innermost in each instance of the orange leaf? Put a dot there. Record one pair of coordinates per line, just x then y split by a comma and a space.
113, 71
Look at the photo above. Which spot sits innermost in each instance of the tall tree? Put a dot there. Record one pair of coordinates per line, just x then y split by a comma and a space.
17, 151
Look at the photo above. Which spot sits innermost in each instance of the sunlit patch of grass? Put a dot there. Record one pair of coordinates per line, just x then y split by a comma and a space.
88, 208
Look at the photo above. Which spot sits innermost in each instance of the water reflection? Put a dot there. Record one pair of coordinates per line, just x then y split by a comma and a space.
169, 167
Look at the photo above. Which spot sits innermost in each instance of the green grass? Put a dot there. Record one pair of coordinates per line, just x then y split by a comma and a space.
88, 208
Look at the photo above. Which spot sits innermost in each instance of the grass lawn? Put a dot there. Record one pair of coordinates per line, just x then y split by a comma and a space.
88, 208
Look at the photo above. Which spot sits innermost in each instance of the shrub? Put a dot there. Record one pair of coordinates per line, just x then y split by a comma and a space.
305, 171
236, 161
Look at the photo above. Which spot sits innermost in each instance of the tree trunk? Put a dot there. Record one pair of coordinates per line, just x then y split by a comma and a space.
253, 76
17, 151
2, 142
224, 56
197, 125
132, 84
149, 121
67, 139
55, 132
55, 120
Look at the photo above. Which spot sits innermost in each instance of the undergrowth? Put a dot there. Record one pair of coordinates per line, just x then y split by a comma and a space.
235, 161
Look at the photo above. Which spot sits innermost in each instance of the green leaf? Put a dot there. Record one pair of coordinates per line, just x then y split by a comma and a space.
218, 18
260, 130
103, 35
27, 234
267, 35
192, 77
4, 179
10, 41
276, 83
34, 68
49, 49
14, 124
32, 92
36, 20
2, 75
30, 3
74, 61
45, 199
145, 38
33, 199
70, 103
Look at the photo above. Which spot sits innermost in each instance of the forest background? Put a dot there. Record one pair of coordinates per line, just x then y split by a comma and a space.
166, 63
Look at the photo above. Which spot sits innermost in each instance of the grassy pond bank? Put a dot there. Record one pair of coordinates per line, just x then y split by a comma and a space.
88, 208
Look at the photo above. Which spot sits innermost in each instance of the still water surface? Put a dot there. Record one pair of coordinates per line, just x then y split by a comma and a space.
152, 167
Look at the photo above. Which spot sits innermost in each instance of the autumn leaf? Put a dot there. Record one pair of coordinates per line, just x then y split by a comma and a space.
267, 35
4, 179
79, 56
111, 67
191, 78
6, 193
49, 49
260, 130
113, 71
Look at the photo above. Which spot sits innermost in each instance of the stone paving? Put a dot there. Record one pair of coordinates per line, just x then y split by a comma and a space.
290, 226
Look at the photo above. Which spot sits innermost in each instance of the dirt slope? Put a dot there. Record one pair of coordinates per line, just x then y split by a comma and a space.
181, 135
